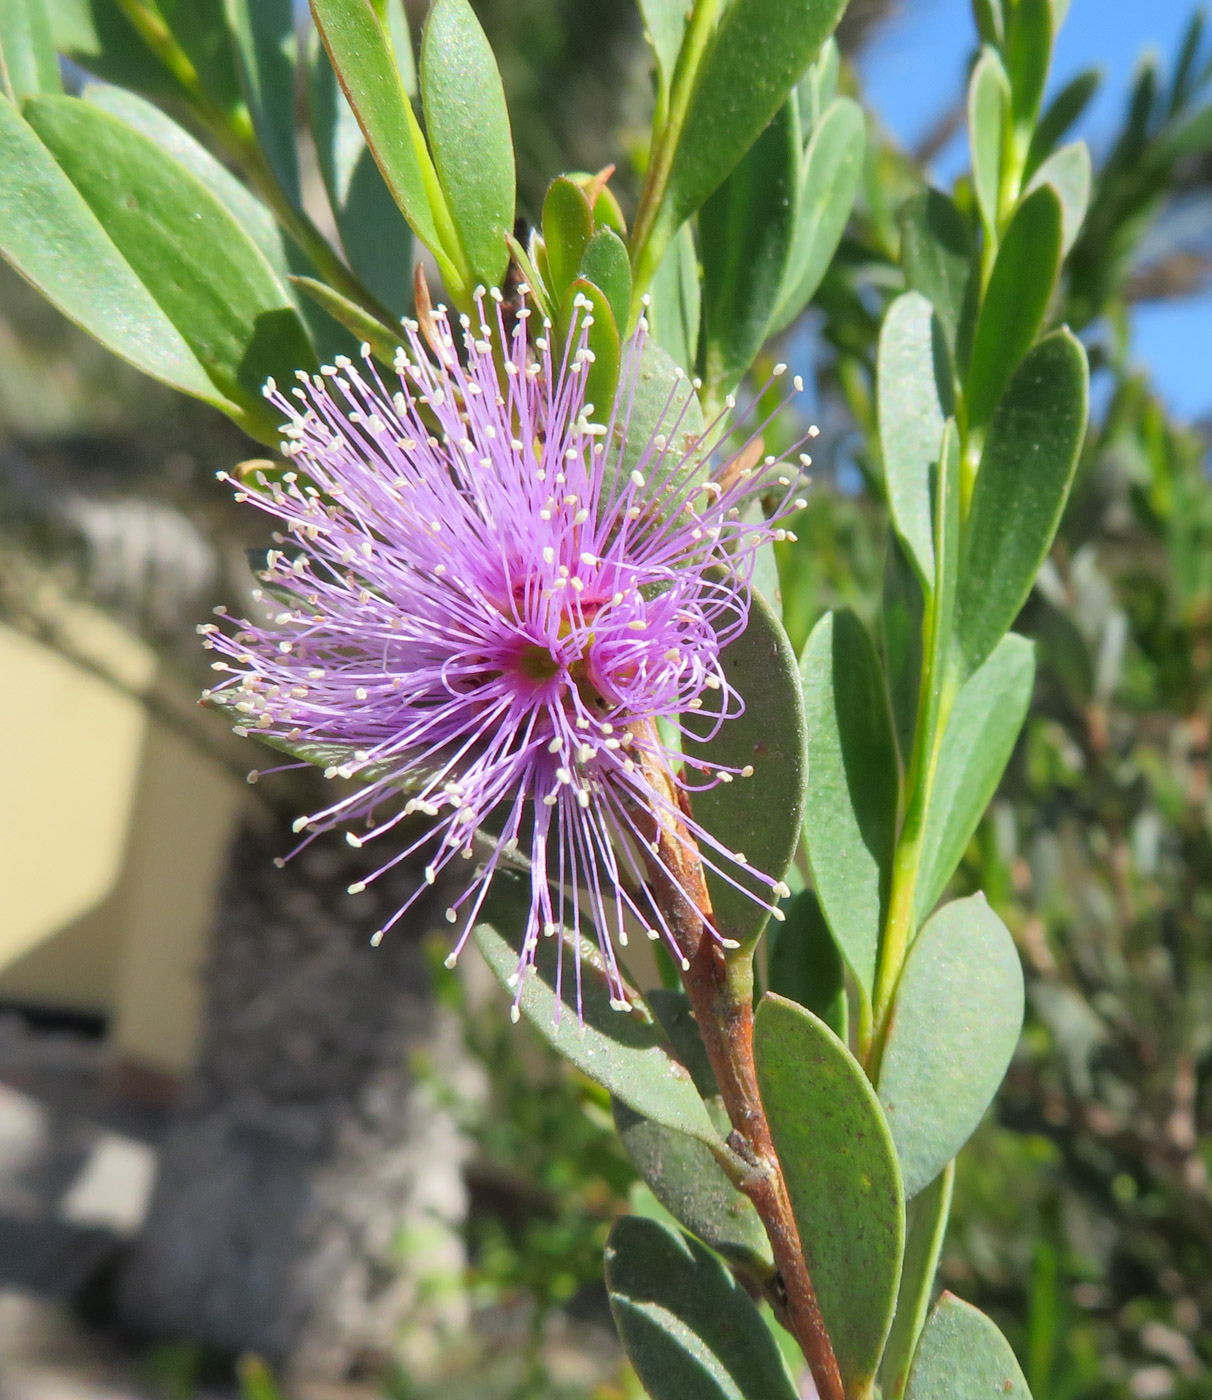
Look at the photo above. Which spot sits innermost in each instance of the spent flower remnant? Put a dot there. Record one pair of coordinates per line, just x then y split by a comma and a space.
493, 607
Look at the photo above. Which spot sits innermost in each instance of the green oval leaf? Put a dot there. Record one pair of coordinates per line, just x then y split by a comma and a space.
605, 263
28, 63
468, 127
955, 1022
926, 1227
830, 171
624, 1051
760, 815
988, 99
962, 1356
53, 239
656, 393
1019, 290
756, 56
205, 272
689, 1328
362, 57
936, 252
745, 232
913, 386
980, 736
1026, 470
145, 117
841, 1172
685, 1177
374, 234
567, 229
1068, 172
602, 377
852, 786
676, 301
1028, 49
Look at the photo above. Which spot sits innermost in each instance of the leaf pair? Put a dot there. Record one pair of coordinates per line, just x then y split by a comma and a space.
455, 182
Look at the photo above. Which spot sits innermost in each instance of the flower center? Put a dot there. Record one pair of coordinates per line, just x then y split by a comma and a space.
536, 663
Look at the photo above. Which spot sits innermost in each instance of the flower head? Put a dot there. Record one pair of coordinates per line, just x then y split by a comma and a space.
493, 611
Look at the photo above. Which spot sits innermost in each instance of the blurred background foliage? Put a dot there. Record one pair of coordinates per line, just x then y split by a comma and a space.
1083, 1214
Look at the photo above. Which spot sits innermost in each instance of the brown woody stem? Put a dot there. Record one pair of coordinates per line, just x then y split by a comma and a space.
720, 988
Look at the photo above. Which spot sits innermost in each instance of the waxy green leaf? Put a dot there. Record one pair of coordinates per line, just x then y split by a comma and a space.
685, 1177
805, 964
143, 116
755, 57
955, 1022
676, 300
980, 736
962, 1356
852, 786
468, 127
231, 309
602, 339
841, 1172
745, 232
376, 238
624, 1051
54, 240
657, 394
914, 393
988, 103
1016, 299
605, 263
760, 815
830, 171
926, 1228
28, 63
1028, 49
937, 255
1026, 470
567, 229
689, 1328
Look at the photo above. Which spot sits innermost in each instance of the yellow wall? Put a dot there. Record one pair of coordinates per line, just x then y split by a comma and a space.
113, 837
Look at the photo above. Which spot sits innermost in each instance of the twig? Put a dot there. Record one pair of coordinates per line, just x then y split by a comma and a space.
721, 995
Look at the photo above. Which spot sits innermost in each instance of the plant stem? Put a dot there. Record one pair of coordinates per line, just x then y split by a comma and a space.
936, 696
720, 989
648, 235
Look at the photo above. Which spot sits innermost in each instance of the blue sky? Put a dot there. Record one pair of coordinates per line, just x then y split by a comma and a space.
914, 69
